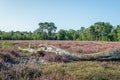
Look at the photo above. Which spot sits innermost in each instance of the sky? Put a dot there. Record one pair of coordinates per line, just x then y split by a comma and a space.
24, 15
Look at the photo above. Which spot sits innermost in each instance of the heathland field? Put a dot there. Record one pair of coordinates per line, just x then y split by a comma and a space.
59, 60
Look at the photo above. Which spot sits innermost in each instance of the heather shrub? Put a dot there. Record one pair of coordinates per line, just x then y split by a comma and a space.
38, 54
20, 73
56, 72
24, 45
30, 72
53, 57
1, 60
1, 63
15, 53
7, 57
6, 44
56, 76
76, 70
31, 46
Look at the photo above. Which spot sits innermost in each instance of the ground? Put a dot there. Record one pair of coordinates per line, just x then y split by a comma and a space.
22, 65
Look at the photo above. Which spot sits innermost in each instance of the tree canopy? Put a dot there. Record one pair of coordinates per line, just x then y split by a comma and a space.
99, 31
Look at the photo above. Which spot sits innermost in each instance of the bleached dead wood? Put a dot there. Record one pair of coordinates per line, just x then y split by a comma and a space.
105, 55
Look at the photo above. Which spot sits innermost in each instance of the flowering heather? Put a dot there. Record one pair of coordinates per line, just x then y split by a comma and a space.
72, 46
30, 67
52, 57
1, 60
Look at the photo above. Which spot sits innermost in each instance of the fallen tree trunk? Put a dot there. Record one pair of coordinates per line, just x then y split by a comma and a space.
105, 55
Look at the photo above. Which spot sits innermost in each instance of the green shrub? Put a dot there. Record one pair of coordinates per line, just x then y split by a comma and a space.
6, 44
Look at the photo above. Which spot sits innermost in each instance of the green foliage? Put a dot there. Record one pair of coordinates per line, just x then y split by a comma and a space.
46, 30
99, 31
31, 46
118, 32
6, 44
61, 34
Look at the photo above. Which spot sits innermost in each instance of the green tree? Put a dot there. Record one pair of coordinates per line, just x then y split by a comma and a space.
118, 32
82, 35
61, 34
102, 31
70, 34
48, 27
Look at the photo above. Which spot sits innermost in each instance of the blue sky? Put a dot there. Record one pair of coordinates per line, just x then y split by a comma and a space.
24, 15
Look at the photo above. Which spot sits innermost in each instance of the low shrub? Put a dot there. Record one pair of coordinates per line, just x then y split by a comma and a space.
15, 53
38, 54
53, 57
20, 73
6, 44
1, 63
7, 57
1, 60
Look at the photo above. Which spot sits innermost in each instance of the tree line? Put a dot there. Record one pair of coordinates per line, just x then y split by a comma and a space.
99, 31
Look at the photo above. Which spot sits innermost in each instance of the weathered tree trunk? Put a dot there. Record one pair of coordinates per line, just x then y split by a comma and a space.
105, 55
